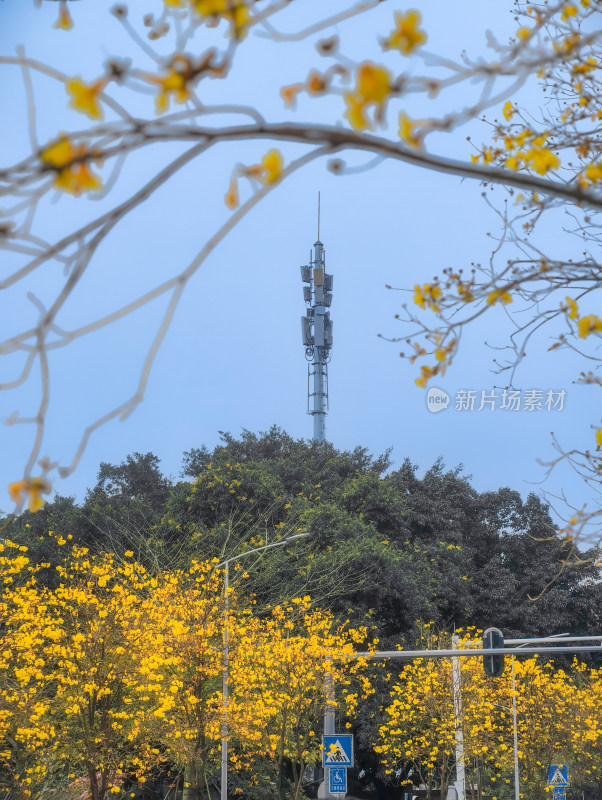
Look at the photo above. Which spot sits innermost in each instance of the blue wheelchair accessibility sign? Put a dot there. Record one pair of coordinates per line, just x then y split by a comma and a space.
338, 780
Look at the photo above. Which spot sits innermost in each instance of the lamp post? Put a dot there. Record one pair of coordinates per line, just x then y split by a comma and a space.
226, 565
516, 775
460, 783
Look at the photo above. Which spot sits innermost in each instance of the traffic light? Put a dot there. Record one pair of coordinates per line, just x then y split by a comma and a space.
493, 665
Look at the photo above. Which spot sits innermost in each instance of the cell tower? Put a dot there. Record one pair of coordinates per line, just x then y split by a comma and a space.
316, 328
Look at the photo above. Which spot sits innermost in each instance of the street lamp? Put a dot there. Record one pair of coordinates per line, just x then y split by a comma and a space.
226, 565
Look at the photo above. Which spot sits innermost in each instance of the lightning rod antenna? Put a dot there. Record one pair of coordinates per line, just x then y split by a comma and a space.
318, 216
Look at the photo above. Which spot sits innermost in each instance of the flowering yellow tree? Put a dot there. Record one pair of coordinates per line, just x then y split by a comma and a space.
557, 723
115, 673
176, 52
110, 673
186, 612
282, 667
81, 675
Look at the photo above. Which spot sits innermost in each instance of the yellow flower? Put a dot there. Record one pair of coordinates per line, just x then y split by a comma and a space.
427, 295
599, 437
426, 373
232, 200
85, 97
59, 154
572, 305
64, 22
73, 173
406, 37
355, 113
272, 166
406, 130
508, 110
373, 85
315, 83
33, 488
465, 292
542, 160
174, 83
589, 325
289, 94
569, 11
523, 33
498, 294
593, 172
234, 10
268, 171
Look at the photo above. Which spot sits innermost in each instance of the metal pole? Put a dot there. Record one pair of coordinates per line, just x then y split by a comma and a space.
319, 365
458, 729
224, 785
328, 725
516, 775
493, 651
226, 565
319, 422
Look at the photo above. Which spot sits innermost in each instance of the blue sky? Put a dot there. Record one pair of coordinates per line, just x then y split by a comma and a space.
233, 357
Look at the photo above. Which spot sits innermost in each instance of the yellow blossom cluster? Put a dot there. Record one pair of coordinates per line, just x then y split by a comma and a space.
179, 76
372, 89
407, 36
374, 84
115, 671
427, 295
316, 84
557, 712
267, 172
71, 165
585, 325
236, 12
85, 97
30, 489
499, 295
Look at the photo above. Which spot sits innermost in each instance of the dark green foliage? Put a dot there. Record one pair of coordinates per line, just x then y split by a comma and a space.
387, 547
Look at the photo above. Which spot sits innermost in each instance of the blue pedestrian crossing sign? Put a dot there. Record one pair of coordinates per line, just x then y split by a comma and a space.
558, 775
338, 780
337, 750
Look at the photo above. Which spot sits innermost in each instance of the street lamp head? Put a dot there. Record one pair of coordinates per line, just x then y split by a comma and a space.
296, 536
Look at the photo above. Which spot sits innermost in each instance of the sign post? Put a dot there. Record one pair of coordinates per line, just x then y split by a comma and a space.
558, 779
337, 756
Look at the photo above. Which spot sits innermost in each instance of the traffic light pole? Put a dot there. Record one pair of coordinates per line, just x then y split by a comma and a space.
516, 775
494, 651
455, 654
458, 726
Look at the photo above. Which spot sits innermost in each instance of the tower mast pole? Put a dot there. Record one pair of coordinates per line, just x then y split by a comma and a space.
317, 333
